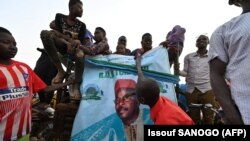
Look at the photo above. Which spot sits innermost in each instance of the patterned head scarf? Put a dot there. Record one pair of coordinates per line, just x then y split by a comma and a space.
176, 35
175, 39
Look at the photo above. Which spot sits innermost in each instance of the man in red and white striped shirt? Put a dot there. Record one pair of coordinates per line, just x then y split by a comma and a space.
17, 84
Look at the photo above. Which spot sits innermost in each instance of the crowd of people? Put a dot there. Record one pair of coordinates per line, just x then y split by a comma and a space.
218, 75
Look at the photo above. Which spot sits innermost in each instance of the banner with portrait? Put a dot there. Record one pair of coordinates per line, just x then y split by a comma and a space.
109, 109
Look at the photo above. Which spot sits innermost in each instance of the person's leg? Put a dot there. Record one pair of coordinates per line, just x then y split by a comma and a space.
79, 68
50, 42
42, 71
50, 75
208, 114
194, 112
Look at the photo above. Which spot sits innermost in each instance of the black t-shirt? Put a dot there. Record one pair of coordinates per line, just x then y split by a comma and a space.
76, 31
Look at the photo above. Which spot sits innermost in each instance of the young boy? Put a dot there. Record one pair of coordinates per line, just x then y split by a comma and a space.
101, 45
18, 83
146, 43
67, 34
162, 110
123, 40
120, 49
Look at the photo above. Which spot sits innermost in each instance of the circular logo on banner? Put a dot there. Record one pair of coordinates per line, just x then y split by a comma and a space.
91, 91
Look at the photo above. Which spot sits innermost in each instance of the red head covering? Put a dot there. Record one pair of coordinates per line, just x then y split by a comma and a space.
124, 83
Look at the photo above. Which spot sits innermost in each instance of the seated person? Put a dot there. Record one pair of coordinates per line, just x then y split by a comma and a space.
101, 45
67, 34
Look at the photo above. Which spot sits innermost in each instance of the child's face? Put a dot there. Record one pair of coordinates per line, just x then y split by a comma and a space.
8, 47
99, 35
120, 49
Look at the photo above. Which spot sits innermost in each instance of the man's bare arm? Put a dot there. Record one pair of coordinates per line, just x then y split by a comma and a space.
101, 48
178, 71
222, 92
51, 88
182, 73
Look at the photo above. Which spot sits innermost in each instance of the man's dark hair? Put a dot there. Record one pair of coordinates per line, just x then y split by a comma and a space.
122, 38
100, 28
203, 36
236, 2
4, 30
73, 2
146, 34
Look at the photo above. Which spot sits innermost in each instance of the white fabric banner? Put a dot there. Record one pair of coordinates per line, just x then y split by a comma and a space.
107, 112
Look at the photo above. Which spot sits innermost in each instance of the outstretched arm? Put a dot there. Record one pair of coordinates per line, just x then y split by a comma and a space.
52, 88
138, 66
222, 92
100, 48
186, 67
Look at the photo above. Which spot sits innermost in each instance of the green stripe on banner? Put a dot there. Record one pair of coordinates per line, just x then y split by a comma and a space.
132, 69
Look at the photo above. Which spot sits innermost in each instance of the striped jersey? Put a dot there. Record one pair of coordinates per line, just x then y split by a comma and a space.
17, 84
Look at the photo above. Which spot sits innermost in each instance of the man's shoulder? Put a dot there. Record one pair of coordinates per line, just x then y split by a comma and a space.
21, 64
230, 24
190, 54
103, 43
133, 53
81, 23
60, 15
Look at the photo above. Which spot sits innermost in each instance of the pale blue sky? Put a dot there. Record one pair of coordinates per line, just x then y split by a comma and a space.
132, 18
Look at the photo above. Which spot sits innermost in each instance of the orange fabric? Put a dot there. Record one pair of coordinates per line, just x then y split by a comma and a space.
166, 112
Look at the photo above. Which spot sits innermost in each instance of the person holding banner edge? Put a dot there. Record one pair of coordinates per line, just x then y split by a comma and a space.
163, 111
